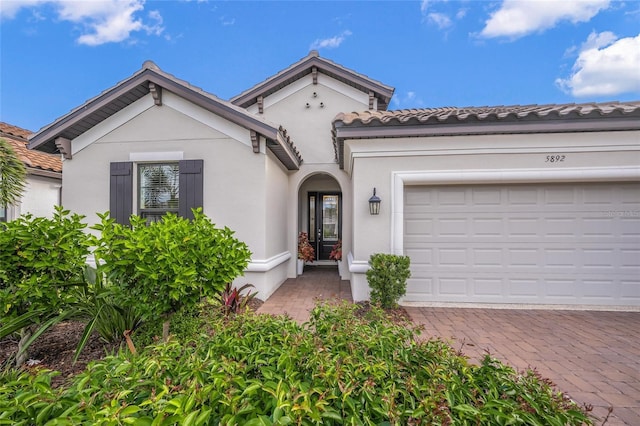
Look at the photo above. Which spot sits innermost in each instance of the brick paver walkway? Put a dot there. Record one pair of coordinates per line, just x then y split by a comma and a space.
593, 356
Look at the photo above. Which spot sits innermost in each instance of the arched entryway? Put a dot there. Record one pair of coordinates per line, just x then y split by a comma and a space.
320, 214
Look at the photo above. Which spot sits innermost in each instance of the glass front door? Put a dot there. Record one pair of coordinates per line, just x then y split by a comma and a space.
325, 217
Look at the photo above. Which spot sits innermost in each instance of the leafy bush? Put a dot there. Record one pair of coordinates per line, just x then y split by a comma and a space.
41, 260
168, 264
387, 278
187, 324
343, 368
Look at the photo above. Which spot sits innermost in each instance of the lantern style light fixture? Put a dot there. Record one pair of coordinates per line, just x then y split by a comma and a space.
374, 204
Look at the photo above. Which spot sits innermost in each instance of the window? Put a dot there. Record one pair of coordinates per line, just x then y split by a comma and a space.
158, 190
3, 214
162, 187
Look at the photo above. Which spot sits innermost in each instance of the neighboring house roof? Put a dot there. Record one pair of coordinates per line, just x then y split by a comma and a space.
484, 120
151, 79
37, 163
308, 65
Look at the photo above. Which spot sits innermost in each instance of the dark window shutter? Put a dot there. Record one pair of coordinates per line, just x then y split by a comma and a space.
121, 192
191, 187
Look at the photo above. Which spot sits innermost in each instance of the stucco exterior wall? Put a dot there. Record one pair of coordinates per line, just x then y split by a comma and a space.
41, 194
243, 190
493, 158
310, 129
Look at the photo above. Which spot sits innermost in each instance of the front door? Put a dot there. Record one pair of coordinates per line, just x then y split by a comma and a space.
325, 222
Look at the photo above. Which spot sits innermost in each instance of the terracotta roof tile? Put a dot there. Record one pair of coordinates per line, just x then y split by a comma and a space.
17, 138
487, 113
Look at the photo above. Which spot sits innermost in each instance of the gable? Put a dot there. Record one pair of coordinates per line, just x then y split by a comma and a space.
307, 109
152, 83
177, 121
378, 94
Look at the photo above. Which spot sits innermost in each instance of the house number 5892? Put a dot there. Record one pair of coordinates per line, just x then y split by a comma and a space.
554, 159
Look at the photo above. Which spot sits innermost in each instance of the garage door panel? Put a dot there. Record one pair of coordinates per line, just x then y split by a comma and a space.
569, 243
599, 258
629, 227
487, 257
451, 227
630, 259
559, 197
560, 289
487, 227
630, 291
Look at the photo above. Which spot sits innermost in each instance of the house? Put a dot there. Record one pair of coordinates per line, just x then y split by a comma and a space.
44, 177
494, 205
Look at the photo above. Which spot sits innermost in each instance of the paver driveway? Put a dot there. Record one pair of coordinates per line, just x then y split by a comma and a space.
594, 356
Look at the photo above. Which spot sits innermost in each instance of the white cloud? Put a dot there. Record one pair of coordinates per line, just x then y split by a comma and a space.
441, 13
408, 99
440, 19
225, 21
517, 18
330, 43
9, 8
102, 21
606, 66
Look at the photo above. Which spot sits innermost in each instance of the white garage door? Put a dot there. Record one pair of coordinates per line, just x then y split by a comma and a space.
539, 244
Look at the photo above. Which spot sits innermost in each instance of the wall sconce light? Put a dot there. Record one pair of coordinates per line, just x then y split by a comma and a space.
374, 204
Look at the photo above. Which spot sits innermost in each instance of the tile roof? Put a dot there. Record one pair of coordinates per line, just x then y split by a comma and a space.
488, 113
515, 119
305, 67
17, 138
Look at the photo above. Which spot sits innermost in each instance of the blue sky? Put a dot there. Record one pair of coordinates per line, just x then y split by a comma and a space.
56, 54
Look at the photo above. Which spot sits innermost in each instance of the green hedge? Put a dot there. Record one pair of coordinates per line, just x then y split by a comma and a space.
343, 367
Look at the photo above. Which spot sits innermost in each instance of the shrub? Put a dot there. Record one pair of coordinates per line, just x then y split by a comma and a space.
343, 368
41, 260
233, 301
165, 265
387, 278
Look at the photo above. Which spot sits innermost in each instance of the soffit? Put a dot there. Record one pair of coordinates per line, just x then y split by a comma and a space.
128, 91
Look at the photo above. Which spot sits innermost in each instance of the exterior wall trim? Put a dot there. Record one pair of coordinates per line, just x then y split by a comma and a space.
357, 266
265, 265
458, 177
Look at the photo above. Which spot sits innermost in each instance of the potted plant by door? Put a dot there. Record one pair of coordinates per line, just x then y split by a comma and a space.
336, 252
305, 251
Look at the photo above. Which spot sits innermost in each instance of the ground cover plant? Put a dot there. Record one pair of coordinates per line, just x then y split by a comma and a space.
346, 366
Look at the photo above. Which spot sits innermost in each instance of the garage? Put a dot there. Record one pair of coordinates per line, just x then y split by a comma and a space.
569, 243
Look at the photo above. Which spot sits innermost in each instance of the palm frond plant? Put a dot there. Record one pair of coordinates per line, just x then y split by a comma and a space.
13, 175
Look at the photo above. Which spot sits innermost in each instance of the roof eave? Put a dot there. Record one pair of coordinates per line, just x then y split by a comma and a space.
342, 132
305, 67
44, 139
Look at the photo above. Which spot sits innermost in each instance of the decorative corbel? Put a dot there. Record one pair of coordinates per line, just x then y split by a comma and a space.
371, 99
64, 146
314, 73
255, 141
156, 92
260, 104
